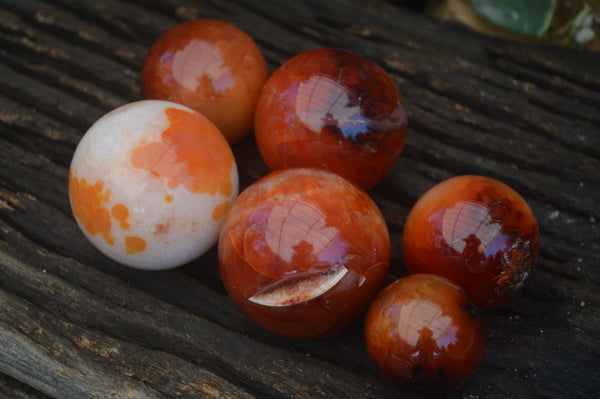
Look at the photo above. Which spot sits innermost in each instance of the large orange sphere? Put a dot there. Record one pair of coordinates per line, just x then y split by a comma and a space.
210, 66
303, 252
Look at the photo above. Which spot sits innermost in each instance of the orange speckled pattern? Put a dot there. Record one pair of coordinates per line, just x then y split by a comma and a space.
476, 231
169, 198
210, 66
220, 210
89, 206
303, 251
121, 213
189, 154
135, 244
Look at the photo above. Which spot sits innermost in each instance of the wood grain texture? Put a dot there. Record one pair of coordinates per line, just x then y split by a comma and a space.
74, 324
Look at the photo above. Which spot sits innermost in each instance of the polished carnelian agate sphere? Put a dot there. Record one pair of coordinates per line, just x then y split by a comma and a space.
331, 109
303, 252
476, 231
425, 334
212, 67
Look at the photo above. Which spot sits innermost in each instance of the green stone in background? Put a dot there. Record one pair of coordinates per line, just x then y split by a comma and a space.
531, 17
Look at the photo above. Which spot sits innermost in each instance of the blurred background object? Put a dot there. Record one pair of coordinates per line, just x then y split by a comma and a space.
574, 23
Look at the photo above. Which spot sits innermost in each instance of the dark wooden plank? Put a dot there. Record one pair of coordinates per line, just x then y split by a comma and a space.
74, 324
12, 388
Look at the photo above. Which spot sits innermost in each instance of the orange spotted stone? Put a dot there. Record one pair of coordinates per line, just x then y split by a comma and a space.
150, 184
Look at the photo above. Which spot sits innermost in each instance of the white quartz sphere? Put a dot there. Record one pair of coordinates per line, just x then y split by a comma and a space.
150, 184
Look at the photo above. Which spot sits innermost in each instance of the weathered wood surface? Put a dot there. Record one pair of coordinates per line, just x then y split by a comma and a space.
75, 325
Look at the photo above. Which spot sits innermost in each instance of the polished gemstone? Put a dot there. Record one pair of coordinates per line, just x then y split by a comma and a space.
425, 334
331, 109
210, 66
150, 184
478, 232
303, 252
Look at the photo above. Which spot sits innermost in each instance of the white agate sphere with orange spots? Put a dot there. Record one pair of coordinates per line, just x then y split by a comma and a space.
150, 184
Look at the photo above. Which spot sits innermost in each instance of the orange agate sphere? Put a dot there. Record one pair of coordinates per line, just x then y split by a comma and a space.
424, 333
210, 66
476, 231
303, 252
331, 109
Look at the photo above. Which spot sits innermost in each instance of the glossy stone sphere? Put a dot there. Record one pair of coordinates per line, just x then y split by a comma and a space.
150, 184
425, 334
476, 231
303, 252
210, 66
331, 109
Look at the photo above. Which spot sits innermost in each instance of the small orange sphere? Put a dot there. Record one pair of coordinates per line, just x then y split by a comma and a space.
476, 231
303, 252
212, 67
331, 109
425, 334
